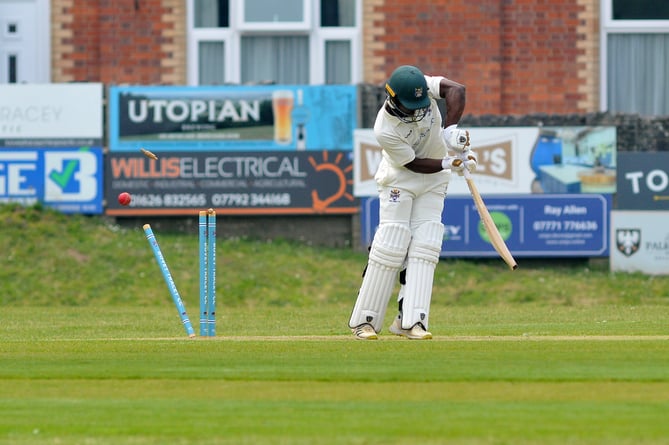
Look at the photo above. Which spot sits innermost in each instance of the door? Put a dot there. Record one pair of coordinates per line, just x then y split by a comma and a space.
24, 41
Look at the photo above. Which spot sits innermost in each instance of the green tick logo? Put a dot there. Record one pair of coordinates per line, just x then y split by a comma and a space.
63, 177
73, 175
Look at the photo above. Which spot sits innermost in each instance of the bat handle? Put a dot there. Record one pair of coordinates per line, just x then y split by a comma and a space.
467, 174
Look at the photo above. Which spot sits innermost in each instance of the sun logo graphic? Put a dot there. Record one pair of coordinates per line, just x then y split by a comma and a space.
341, 170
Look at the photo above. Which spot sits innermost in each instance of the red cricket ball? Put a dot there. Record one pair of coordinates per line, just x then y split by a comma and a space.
124, 198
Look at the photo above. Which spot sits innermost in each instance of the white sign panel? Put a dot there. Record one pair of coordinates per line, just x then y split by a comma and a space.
503, 161
640, 242
517, 160
50, 112
366, 160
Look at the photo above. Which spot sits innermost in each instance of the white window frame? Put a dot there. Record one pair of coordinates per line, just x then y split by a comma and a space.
211, 35
231, 37
323, 34
611, 26
320, 40
197, 35
44, 39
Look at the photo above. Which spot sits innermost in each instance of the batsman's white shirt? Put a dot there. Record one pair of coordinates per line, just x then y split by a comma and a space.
401, 142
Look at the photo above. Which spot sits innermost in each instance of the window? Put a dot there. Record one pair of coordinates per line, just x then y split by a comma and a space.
269, 41
278, 59
338, 13
337, 65
10, 30
266, 14
640, 10
11, 69
211, 14
635, 57
211, 64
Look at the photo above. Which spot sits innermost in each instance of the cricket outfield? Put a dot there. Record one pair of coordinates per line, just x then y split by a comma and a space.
93, 352
516, 374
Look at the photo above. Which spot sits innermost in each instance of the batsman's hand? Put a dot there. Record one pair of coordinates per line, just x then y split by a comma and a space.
456, 139
470, 160
466, 160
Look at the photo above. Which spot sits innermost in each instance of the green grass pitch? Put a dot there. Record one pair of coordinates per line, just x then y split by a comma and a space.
92, 351
130, 376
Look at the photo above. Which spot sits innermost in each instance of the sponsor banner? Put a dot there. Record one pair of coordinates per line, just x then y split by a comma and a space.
531, 225
233, 183
640, 242
518, 160
48, 115
643, 181
267, 117
68, 179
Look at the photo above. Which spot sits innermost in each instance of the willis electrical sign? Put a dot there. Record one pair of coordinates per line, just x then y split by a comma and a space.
233, 183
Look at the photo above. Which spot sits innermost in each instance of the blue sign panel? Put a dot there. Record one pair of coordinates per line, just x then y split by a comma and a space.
531, 225
68, 179
265, 117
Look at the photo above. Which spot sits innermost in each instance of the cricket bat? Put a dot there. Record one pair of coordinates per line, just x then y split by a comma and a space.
490, 227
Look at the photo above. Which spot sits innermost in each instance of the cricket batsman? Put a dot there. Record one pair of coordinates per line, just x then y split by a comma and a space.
412, 180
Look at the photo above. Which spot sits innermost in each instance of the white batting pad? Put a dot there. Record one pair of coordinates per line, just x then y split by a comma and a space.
385, 260
423, 257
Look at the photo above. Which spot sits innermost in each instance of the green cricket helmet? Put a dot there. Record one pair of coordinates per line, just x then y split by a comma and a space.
407, 93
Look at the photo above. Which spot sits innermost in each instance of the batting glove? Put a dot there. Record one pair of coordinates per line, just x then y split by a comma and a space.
470, 160
456, 139
466, 160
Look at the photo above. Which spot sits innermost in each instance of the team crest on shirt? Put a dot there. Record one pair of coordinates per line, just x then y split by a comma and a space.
394, 195
418, 92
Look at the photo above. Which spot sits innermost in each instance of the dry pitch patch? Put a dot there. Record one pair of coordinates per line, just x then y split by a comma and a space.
382, 338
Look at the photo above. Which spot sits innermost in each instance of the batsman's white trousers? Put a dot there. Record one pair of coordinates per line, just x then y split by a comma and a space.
410, 203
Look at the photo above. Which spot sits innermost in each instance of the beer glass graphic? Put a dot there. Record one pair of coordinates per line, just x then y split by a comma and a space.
282, 107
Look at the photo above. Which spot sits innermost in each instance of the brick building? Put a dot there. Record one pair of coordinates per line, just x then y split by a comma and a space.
515, 56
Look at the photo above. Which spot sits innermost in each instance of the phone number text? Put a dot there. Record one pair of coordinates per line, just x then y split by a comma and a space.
217, 200
568, 226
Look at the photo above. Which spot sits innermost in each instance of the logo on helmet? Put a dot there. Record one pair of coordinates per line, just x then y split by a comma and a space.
418, 92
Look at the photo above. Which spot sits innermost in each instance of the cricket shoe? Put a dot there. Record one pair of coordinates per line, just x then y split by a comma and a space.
417, 332
365, 332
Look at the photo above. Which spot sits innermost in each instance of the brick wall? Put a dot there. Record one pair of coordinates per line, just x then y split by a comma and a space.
514, 56
119, 41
